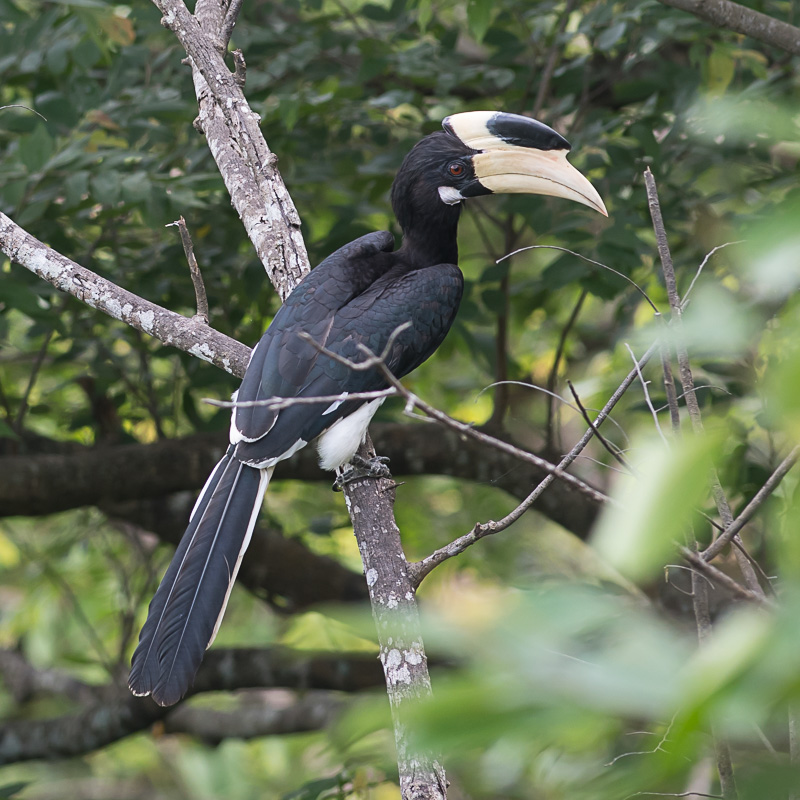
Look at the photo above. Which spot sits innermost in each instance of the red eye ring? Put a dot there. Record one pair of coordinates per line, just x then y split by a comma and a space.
456, 169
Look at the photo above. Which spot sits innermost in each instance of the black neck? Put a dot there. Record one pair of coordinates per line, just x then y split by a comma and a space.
432, 239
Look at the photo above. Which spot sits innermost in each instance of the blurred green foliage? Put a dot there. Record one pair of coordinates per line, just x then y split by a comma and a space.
570, 683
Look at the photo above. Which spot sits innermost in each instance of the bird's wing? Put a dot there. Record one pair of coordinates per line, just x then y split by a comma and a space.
282, 361
427, 298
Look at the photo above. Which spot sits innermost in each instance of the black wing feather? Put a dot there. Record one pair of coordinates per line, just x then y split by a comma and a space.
427, 298
282, 361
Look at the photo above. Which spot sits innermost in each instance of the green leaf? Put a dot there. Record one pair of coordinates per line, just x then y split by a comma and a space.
424, 14
638, 532
479, 17
36, 148
610, 36
106, 187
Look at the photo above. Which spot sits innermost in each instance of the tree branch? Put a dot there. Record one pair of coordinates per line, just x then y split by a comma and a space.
255, 717
194, 269
189, 335
247, 165
117, 713
394, 609
685, 371
750, 509
739, 18
420, 569
73, 475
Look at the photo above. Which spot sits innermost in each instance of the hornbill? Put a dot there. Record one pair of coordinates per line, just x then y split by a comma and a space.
359, 295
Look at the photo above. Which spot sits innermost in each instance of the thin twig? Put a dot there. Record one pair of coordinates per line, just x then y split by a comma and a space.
750, 509
552, 58
37, 365
619, 274
602, 439
674, 794
560, 399
279, 403
669, 388
197, 278
647, 395
702, 266
553, 375
696, 560
697, 389
20, 105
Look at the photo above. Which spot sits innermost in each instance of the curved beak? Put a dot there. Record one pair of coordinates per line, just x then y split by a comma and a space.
507, 171
517, 154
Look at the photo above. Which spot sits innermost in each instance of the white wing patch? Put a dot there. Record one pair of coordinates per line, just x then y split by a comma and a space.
335, 404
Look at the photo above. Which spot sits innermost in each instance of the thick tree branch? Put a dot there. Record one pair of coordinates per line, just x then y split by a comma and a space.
74, 476
739, 18
245, 161
117, 713
190, 335
255, 717
394, 608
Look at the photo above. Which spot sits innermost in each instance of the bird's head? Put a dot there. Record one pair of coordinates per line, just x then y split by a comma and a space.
486, 152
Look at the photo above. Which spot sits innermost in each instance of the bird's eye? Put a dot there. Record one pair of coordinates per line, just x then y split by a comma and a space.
456, 169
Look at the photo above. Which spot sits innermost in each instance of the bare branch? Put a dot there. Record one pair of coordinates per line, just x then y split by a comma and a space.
702, 266
647, 395
750, 509
116, 713
739, 18
173, 329
310, 712
612, 450
697, 561
197, 278
278, 403
245, 161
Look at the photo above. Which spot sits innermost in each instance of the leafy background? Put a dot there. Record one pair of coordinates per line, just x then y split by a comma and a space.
563, 665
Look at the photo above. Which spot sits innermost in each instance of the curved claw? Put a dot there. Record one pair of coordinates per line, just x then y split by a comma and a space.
360, 468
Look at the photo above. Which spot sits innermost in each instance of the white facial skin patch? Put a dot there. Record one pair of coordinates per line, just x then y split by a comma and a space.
450, 195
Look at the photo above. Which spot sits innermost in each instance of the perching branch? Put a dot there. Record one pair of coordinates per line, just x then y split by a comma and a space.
739, 18
269, 216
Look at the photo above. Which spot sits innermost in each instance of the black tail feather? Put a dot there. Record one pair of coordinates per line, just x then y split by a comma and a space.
191, 599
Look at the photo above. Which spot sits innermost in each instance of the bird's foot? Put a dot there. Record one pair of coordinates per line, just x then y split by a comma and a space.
360, 468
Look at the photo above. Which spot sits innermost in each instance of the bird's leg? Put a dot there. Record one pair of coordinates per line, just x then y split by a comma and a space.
360, 467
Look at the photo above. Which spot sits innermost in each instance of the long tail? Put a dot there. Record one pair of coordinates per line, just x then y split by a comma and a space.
187, 608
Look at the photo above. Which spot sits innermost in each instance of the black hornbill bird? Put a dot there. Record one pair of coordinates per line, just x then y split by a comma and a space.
360, 294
